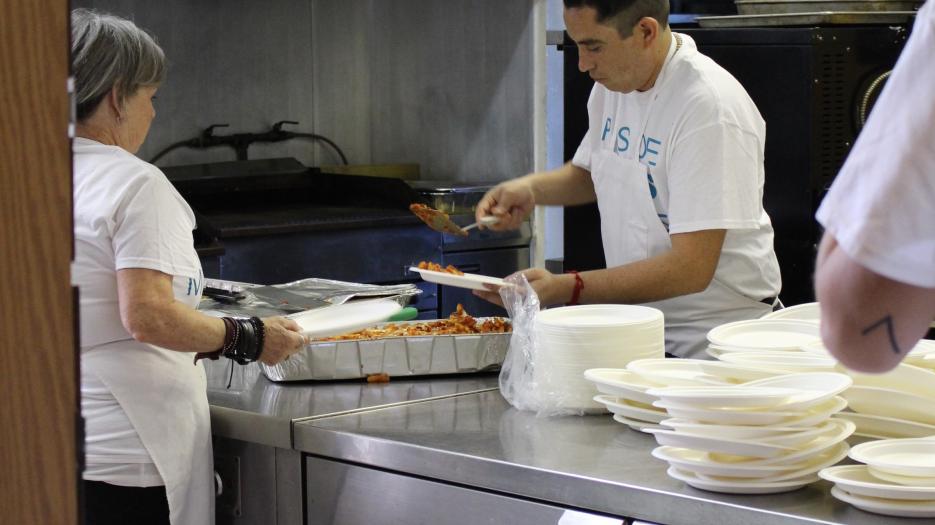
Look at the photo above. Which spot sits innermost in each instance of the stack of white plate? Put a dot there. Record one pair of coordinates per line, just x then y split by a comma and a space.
624, 391
573, 339
921, 355
761, 335
896, 404
764, 436
897, 478
805, 312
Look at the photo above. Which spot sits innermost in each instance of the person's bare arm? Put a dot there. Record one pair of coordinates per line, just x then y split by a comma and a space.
512, 201
868, 322
687, 268
149, 311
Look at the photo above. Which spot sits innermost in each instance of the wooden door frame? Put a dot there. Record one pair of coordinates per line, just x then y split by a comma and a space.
38, 369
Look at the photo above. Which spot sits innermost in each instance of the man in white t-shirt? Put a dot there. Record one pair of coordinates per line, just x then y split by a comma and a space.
875, 277
674, 158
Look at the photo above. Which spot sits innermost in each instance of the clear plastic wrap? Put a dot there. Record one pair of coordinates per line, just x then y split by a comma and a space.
526, 379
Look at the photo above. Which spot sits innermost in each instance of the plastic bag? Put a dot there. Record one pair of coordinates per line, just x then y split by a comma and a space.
521, 383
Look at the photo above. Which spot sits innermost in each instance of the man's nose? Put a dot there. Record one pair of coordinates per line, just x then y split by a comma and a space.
584, 65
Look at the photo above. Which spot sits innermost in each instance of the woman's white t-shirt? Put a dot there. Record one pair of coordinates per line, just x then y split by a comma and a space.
881, 207
128, 215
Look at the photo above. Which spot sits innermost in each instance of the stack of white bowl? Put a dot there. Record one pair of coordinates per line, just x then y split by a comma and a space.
624, 391
573, 339
896, 479
764, 436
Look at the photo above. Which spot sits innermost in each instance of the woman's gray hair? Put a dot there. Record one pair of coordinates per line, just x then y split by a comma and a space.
108, 51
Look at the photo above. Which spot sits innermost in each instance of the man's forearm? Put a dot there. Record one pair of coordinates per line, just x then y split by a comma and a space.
868, 321
567, 185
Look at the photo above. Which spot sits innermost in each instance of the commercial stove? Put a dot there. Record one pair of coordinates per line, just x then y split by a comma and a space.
271, 221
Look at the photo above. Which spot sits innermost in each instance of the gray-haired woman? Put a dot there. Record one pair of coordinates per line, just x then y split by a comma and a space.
148, 441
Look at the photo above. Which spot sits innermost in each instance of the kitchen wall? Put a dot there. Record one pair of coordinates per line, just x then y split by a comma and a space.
447, 84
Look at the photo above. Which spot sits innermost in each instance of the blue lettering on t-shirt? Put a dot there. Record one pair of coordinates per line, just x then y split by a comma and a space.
623, 140
647, 147
652, 184
608, 124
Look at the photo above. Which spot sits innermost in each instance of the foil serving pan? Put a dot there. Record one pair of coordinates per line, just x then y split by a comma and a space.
394, 356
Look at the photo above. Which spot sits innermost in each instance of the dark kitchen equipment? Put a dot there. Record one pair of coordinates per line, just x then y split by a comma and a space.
813, 86
275, 221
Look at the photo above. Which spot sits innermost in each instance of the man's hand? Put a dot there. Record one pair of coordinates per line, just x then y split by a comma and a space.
510, 201
550, 288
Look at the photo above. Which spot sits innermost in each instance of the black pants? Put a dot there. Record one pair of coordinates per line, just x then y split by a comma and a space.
106, 504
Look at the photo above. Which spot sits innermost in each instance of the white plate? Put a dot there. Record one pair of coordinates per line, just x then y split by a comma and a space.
858, 480
698, 461
728, 396
887, 427
825, 384
619, 382
903, 457
790, 362
730, 431
734, 447
909, 481
803, 312
813, 416
674, 372
904, 377
620, 406
765, 334
740, 487
808, 452
891, 403
343, 318
636, 424
885, 506
468, 280
600, 316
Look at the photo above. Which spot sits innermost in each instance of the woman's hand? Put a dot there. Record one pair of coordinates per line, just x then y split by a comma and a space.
550, 288
282, 339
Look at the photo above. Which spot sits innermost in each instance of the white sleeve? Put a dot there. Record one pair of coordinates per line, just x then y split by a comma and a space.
881, 207
153, 229
714, 180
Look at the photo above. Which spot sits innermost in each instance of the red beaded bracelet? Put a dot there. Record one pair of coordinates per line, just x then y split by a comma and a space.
579, 285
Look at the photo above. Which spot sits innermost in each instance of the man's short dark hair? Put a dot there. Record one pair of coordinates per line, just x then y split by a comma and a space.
624, 14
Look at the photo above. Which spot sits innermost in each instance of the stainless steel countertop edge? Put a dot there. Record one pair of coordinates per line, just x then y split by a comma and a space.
624, 500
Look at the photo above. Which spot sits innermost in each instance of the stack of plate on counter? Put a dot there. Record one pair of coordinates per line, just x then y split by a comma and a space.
573, 339
764, 436
771, 343
896, 479
625, 391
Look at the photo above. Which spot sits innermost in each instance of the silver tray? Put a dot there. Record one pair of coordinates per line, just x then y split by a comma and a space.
395, 356
809, 19
769, 7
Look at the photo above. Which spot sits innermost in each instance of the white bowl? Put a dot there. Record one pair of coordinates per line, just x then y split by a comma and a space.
700, 462
803, 312
630, 411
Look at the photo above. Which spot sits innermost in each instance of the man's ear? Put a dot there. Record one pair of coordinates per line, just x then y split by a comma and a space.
647, 28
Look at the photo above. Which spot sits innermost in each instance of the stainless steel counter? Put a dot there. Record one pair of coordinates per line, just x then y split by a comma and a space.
257, 410
590, 463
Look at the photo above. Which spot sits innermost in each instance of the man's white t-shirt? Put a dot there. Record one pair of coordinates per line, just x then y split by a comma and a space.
128, 215
703, 147
881, 207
